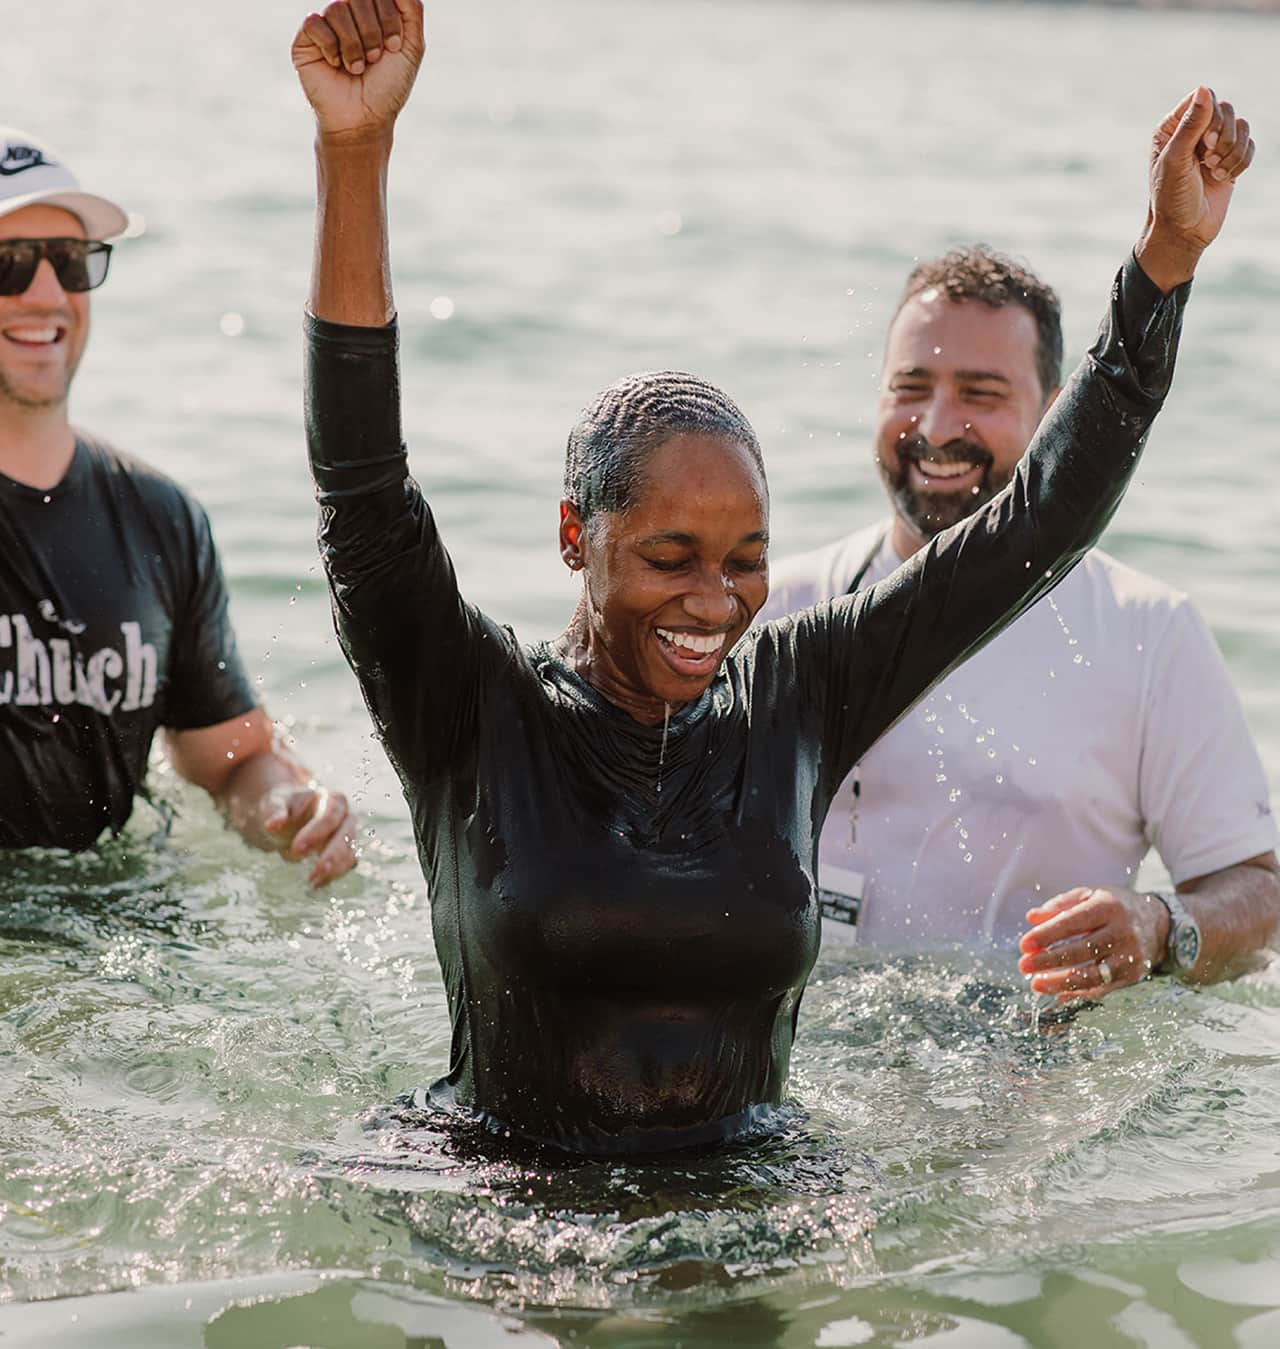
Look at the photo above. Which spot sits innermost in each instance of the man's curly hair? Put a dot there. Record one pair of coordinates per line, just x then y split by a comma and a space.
994, 279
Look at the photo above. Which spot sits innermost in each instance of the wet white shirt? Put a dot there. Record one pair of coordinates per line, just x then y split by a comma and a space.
1101, 724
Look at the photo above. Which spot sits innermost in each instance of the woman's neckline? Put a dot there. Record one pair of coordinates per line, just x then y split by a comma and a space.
548, 651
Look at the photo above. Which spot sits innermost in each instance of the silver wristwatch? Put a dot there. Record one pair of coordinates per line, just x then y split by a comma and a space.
1182, 949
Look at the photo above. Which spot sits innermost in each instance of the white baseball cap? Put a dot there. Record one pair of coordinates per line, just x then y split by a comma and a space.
32, 174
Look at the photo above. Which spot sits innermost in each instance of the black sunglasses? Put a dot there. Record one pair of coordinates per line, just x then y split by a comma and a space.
79, 264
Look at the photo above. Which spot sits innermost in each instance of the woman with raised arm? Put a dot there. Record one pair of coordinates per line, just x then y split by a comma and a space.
619, 826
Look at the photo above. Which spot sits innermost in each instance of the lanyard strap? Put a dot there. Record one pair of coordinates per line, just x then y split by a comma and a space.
856, 774
860, 575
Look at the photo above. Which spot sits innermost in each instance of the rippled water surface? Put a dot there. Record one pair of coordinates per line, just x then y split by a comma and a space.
197, 1053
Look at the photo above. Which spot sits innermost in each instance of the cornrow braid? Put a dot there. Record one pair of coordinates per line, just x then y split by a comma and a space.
613, 438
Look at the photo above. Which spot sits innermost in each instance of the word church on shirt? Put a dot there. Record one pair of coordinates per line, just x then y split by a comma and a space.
35, 673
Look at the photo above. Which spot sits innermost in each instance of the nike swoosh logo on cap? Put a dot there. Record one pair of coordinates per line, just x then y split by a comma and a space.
20, 158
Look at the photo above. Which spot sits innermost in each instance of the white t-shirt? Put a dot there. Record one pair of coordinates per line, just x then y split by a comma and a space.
1100, 724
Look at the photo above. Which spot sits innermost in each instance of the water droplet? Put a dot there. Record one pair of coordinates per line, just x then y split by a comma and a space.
662, 752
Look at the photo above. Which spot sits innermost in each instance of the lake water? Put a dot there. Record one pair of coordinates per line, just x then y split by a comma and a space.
190, 1042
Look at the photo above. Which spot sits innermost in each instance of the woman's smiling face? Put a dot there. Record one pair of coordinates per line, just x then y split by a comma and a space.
675, 579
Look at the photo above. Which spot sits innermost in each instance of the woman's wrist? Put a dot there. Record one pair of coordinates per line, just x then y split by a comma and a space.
1168, 258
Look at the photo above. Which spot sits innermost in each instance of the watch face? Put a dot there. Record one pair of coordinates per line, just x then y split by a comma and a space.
1186, 945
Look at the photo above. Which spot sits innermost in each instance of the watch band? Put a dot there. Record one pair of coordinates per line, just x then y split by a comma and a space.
1182, 948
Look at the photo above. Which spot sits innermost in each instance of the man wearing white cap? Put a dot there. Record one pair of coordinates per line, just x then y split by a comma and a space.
113, 610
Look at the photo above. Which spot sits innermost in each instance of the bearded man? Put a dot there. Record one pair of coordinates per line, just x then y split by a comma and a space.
1014, 805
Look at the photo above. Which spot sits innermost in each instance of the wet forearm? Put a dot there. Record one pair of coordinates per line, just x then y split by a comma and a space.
246, 797
1238, 910
351, 272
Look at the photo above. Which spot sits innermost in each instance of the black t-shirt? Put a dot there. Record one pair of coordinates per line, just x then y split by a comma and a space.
624, 964
113, 621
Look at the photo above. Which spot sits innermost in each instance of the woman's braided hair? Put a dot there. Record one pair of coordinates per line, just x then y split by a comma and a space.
612, 441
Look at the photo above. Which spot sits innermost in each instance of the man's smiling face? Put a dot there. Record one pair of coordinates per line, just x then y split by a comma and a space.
960, 400
42, 331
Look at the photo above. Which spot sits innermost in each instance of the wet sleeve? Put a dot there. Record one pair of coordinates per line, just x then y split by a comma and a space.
207, 682
1201, 786
866, 659
424, 658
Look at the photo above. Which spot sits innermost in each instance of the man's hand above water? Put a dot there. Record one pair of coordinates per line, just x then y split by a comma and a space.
1089, 942
267, 795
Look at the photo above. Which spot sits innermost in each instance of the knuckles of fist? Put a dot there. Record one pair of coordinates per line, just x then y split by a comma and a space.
357, 35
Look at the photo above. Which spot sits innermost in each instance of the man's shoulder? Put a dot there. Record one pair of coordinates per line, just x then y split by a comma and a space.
803, 579
124, 473
1123, 589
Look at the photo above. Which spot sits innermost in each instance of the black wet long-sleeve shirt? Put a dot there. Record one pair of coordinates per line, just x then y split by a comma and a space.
113, 624
624, 964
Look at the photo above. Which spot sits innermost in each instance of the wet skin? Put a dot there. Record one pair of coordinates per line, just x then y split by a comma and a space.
43, 331
960, 400
674, 580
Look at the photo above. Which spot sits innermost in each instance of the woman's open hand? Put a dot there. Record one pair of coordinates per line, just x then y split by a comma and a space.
357, 61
